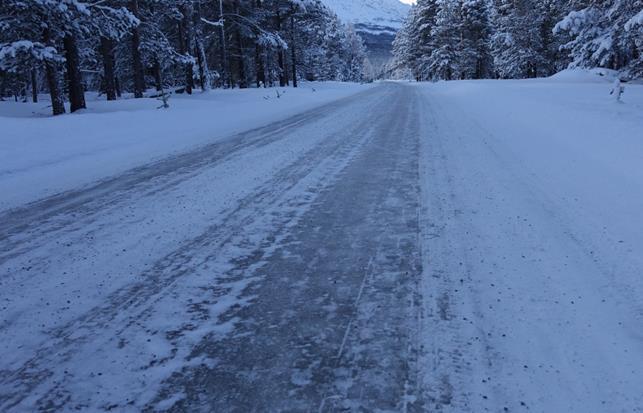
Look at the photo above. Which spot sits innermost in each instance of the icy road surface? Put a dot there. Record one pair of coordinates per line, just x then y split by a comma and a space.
385, 252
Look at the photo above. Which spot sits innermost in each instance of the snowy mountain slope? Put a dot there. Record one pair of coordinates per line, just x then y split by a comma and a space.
376, 21
373, 15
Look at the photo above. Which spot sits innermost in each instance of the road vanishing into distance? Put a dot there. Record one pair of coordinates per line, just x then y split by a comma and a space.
382, 253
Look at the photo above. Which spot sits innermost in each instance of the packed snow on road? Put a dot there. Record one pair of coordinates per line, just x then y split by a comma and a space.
450, 246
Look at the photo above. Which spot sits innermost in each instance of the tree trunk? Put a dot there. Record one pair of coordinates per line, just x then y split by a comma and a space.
51, 72
34, 86
184, 47
199, 50
241, 66
270, 79
282, 69
224, 51
137, 63
292, 47
202, 61
106, 48
24, 93
57, 104
280, 54
117, 85
261, 72
74, 78
158, 82
181, 33
259, 57
284, 58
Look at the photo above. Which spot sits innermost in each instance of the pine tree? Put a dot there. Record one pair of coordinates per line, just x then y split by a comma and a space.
550, 12
124, 45
137, 64
415, 42
634, 29
354, 55
445, 39
443, 62
516, 43
405, 53
46, 34
475, 57
602, 35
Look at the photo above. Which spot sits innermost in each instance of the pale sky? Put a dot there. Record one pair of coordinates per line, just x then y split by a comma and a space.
408, 1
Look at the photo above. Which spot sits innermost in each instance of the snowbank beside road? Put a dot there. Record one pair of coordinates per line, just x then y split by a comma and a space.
41, 156
597, 75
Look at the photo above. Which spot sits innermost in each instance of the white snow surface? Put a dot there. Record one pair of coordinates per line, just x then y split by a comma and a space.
42, 155
635, 21
534, 216
531, 211
378, 13
137, 245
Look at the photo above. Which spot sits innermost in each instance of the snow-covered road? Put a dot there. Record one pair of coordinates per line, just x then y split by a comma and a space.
396, 250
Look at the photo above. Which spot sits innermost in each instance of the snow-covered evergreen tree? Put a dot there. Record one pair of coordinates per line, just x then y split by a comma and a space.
445, 39
443, 61
116, 45
634, 29
474, 53
405, 51
554, 58
48, 35
354, 55
414, 43
605, 33
179, 45
468, 39
516, 43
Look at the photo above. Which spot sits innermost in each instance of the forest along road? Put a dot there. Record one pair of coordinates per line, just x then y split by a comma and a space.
381, 253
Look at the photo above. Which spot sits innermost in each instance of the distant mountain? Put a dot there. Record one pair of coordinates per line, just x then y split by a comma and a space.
376, 16
376, 21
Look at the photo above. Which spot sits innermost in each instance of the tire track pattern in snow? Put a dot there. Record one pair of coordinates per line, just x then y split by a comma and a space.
114, 355
26, 227
333, 326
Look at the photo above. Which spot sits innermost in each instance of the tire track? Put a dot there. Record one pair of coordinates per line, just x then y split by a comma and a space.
124, 313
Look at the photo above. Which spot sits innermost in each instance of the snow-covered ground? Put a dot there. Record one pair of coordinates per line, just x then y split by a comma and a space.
152, 259
42, 155
456, 246
534, 198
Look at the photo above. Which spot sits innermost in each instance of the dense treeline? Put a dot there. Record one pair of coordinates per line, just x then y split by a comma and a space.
473, 39
66, 47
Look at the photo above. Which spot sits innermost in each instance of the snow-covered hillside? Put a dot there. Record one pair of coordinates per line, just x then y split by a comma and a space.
374, 15
376, 21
